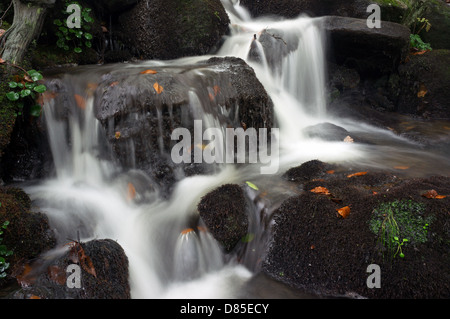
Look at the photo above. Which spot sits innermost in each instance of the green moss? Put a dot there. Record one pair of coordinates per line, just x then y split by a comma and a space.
7, 117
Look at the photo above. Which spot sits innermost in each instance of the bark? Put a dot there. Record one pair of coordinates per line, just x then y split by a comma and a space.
29, 17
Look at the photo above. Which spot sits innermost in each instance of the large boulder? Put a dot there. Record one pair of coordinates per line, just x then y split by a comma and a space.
101, 265
320, 247
139, 112
373, 51
28, 234
163, 29
390, 10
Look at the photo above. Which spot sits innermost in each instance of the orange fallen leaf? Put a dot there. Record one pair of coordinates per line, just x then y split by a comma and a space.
148, 72
57, 275
2, 32
216, 90
211, 97
117, 135
419, 52
401, 167
131, 192
114, 83
321, 190
344, 211
34, 297
158, 88
186, 231
422, 91
81, 102
357, 174
2, 61
330, 172
433, 195
348, 139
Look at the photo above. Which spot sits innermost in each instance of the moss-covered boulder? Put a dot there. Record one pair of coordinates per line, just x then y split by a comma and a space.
324, 242
171, 29
225, 215
28, 233
101, 265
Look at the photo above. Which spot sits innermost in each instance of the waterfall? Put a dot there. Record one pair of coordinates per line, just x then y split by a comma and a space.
168, 256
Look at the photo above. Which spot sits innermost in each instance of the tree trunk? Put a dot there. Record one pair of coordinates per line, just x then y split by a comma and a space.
29, 17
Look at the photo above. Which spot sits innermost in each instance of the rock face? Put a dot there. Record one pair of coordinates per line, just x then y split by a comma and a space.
103, 268
423, 85
224, 213
316, 8
28, 233
370, 51
225, 88
316, 249
162, 29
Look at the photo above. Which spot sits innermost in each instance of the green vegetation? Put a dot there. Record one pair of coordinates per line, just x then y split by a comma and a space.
25, 89
398, 223
74, 37
415, 39
4, 252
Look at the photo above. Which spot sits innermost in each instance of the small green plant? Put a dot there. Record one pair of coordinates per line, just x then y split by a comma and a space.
77, 38
4, 252
398, 223
416, 41
25, 89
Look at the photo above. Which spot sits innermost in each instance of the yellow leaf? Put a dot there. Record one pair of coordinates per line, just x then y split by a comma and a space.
117, 135
401, 167
158, 88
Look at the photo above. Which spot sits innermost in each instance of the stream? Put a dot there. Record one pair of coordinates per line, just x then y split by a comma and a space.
88, 193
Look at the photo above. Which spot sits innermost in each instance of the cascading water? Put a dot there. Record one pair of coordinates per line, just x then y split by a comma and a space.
88, 194
166, 258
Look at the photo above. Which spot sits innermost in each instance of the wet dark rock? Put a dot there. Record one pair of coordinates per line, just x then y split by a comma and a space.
104, 273
224, 213
369, 51
317, 250
162, 29
317, 8
276, 44
127, 104
423, 85
28, 234
307, 171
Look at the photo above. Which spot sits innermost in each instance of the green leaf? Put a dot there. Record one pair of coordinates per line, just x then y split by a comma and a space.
12, 96
252, 185
88, 44
78, 50
25, 93
6, 223
35, 110
64, 30
57, 22
40, 88
12, 84
248, 238
35, 75
88, 36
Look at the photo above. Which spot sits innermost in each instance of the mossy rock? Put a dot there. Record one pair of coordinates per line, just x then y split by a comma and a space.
7, 116
172, 29
424, 85
28, 233
224, 213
